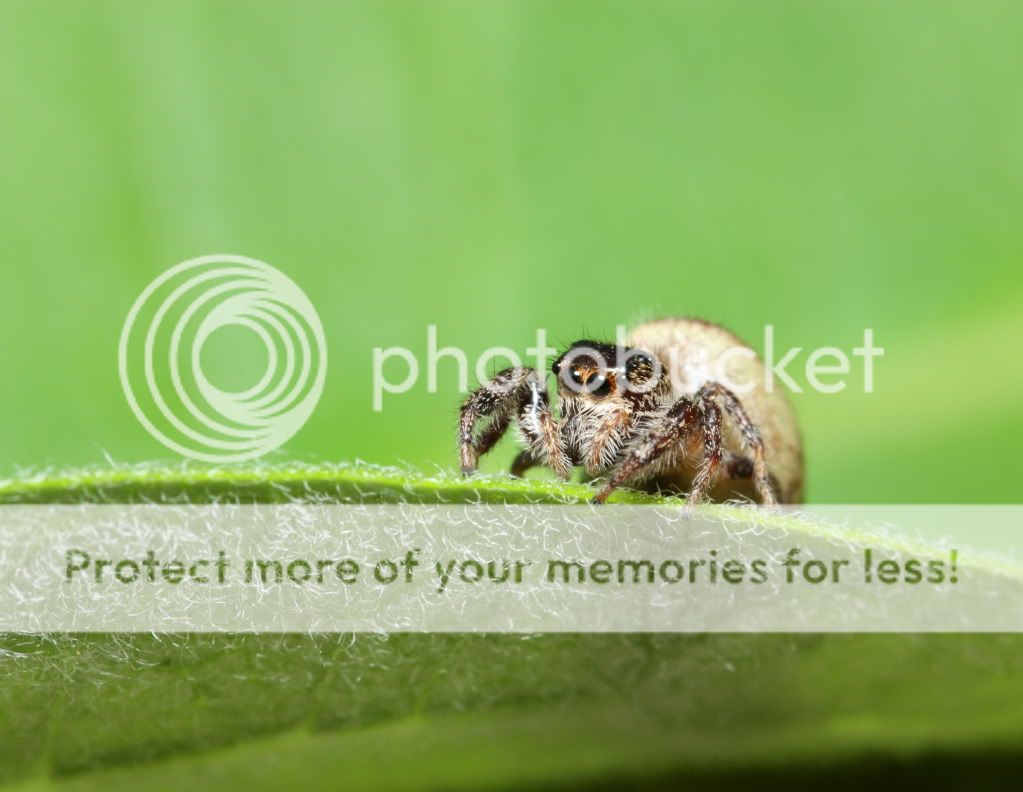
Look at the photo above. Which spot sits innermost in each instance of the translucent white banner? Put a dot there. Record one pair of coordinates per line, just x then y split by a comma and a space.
527, 569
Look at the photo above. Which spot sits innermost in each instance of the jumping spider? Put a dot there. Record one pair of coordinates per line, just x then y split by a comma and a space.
644, 416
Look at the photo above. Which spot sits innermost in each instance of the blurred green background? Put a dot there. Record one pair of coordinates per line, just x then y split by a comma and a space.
494, 167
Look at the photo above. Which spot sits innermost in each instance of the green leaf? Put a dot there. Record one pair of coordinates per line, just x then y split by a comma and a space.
479, 711
342, 483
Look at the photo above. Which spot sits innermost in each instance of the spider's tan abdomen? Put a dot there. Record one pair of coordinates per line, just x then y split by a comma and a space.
696, 352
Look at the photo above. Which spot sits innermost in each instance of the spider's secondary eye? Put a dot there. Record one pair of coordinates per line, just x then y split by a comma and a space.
638, 364
641, 372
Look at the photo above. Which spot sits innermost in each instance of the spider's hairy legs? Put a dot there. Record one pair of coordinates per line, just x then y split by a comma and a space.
680, 419
748, 434
514, 392
523, 462
701, 412
607, 441
710, 423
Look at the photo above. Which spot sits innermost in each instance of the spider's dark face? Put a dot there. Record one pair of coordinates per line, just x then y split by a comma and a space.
595, 371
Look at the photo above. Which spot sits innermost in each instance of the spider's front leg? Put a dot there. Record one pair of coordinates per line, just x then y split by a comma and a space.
671, 433
702, 411
495, 400
515, 392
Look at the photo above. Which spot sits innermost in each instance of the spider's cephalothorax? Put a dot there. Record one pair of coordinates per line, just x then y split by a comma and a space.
647, 413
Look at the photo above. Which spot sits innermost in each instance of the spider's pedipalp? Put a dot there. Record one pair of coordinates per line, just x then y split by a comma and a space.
606, 443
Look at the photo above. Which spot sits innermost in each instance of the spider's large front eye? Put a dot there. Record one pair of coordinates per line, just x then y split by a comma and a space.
593, 383
599, 386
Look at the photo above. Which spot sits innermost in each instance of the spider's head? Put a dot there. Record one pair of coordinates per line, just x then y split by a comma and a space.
593, 371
